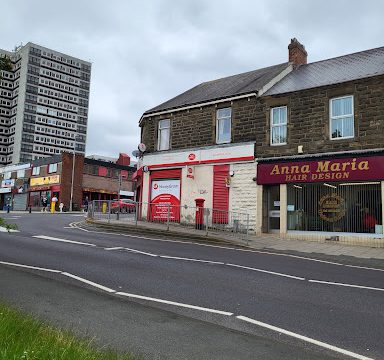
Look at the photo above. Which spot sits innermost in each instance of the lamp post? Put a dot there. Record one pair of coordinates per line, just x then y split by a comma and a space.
73, 173
118, 197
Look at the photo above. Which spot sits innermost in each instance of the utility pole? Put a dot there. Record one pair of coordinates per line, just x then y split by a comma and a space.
118, 197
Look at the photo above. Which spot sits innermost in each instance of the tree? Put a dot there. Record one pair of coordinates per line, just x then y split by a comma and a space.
5, 64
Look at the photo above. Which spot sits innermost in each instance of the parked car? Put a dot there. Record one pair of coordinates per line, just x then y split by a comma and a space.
126, 206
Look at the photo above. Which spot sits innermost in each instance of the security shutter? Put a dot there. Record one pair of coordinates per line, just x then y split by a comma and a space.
220, 194
20, 202
166, 174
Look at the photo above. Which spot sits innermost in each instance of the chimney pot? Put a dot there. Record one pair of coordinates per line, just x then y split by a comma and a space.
297, 53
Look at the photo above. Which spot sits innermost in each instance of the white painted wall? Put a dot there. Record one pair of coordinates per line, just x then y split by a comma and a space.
199, 187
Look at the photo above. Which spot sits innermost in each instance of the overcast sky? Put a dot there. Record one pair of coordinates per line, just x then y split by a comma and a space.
145, 52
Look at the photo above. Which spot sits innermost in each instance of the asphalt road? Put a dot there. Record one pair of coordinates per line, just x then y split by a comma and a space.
256, 293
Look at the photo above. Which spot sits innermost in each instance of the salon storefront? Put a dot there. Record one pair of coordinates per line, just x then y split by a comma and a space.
327, 198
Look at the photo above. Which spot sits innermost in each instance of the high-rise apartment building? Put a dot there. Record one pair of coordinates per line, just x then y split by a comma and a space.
43, 104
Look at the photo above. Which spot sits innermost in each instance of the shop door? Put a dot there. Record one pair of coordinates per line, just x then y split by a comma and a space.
274, 208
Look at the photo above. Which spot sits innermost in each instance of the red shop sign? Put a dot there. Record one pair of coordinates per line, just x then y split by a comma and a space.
348, 169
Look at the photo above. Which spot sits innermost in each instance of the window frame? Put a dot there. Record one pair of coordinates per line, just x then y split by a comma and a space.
159, 130
50, 166
341, 117
36, 170
271, 125
218, 141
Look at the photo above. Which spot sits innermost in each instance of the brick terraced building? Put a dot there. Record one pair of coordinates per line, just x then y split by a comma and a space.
298, 146
95, 178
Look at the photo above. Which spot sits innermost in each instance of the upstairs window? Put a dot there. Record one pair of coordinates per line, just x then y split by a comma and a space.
163, 132
52, 168
223, 125
36, 170
279, 125
341, 117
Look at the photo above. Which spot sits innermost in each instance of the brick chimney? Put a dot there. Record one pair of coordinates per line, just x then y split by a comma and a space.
296, 53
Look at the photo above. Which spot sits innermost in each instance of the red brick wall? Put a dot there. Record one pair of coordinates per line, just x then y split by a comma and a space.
66, 178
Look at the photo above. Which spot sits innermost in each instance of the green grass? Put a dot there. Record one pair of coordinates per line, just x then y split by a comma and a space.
7, 226
24, 338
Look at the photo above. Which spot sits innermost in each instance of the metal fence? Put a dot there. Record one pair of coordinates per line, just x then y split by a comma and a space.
202, 220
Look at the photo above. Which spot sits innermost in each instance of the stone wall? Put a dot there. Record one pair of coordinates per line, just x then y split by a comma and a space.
242, 193
197, 127
308, 121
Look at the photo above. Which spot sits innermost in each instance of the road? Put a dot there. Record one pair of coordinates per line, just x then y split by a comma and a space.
319, 306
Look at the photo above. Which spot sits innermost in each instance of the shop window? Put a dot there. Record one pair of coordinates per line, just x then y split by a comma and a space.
223, 125
163, 134
353, 207
279, 125
341, 118
52, 168
36, 170
103, 171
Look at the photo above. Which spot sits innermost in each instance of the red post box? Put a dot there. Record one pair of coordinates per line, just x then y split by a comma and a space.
199, 213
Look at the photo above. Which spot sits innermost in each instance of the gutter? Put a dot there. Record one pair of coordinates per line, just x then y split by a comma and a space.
169, 111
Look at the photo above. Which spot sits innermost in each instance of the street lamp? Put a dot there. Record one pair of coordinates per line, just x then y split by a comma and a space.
73, 173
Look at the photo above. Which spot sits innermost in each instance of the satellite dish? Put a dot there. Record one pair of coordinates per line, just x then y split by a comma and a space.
142, 147
136, 153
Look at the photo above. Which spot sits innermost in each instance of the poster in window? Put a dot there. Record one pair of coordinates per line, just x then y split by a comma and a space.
165, 194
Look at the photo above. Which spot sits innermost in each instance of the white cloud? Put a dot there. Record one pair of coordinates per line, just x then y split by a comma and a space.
145, 52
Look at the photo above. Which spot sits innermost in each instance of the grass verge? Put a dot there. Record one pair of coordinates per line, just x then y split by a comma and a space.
23, 337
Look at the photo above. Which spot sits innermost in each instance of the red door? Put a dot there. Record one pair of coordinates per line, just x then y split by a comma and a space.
220, 194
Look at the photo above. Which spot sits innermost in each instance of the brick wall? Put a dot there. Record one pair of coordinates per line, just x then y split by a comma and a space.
66, 179
105, 183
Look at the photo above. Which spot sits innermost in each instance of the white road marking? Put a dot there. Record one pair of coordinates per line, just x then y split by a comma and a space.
29, 267
141, 252
346, 285
44, 237
114, 248
232, 248
304, 338
102, 287
189, 259
267, 272
188, 306
175, 303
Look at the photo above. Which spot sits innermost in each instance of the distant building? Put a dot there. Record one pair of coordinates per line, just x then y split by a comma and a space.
25, 185
43, 104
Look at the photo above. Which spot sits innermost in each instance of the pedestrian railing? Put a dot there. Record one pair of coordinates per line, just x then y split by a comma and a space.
205, 220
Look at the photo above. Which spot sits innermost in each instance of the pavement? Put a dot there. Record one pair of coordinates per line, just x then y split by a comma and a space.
259, 242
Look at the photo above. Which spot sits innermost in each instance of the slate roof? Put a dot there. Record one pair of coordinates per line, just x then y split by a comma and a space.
234, 85
47, 160
332, 71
